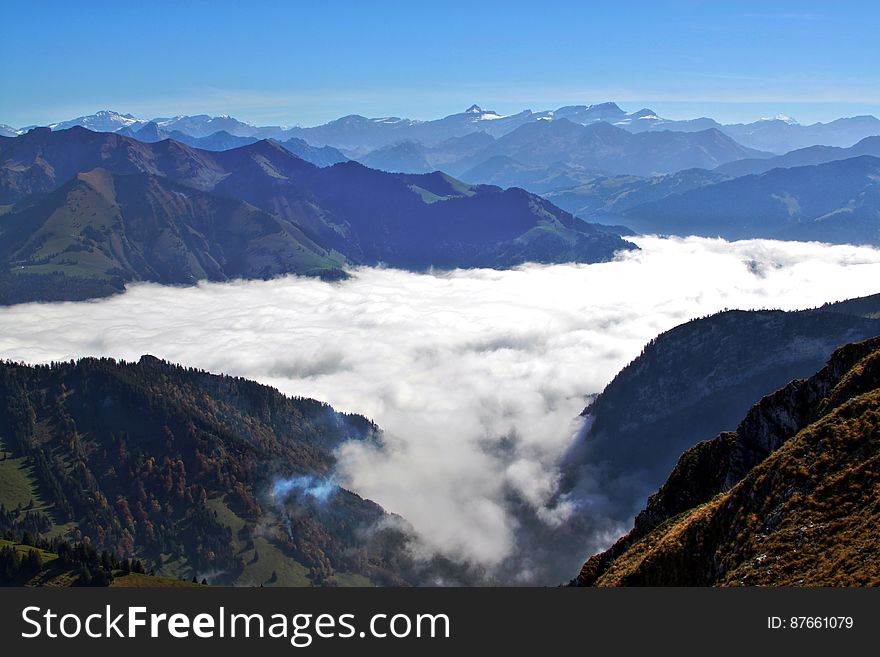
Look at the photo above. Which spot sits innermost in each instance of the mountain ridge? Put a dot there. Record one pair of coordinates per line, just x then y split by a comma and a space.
333, 216
778, 502
355, 132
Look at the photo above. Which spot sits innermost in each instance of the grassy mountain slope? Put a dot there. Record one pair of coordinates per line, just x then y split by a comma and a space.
788, 499
54, 571
123, 228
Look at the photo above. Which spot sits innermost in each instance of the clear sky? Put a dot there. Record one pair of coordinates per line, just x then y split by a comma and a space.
273, 62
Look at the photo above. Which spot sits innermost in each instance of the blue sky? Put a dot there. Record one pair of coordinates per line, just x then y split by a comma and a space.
307, 62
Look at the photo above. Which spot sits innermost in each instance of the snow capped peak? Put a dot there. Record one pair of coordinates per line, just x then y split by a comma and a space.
781, 117
112, 114
474, 109
8, 131
101, 121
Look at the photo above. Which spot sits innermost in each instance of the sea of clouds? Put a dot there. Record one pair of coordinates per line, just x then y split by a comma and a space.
476, 376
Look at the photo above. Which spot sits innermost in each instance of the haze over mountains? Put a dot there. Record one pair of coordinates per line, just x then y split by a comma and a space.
836, 202
93, 210
358, 133
633, 170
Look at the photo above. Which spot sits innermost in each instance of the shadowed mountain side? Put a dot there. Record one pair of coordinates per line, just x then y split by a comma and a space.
695, 380
410, 220
788, 499
140, 227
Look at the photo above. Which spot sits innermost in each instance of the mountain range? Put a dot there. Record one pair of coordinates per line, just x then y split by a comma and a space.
612, 196
86, 212
224, 141
837, 202
636, 171
361, 134
802, 157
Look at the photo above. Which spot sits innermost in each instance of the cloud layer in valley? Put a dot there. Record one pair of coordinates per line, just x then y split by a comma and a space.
477, 376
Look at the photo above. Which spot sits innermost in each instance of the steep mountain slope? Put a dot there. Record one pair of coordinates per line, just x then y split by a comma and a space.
802, 157
367, 216
833, 202
788, 499
42, 160
409, 220
699, 379
134, 227
194, 474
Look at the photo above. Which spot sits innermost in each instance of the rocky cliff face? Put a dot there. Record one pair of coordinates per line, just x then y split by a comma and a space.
789, 498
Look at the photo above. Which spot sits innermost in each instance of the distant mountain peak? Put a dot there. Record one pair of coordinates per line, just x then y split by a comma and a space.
781, 117
105, 120
108, 112
9, 131
479, 113
605, 106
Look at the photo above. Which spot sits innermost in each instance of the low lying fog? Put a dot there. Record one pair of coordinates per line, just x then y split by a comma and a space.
477, 377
